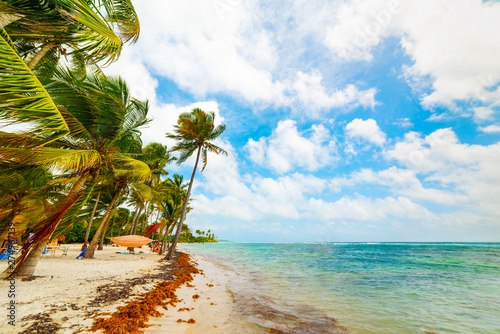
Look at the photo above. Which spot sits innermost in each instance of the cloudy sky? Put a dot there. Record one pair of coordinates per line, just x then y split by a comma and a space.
363, 120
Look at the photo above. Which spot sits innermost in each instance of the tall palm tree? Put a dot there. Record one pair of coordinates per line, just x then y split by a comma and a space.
91, 220
194, 132
123, 180
169, 203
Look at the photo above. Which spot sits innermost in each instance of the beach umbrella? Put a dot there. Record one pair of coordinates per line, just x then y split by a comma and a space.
131, 240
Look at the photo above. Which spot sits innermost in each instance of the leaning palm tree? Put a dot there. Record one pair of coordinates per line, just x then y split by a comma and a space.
24, 195
101, 114
194, 132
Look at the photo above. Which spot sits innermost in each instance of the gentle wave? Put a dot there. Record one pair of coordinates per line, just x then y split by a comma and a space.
369, 288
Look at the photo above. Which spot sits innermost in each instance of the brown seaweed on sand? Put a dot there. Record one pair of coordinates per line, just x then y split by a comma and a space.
129, 319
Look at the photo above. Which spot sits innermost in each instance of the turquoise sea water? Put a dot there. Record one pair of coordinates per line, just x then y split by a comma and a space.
368, 288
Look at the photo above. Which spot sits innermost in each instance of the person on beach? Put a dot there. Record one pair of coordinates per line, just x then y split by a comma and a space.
61, 240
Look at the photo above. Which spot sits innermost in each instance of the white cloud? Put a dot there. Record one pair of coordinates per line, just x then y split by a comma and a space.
401, 182
453, 43
310, 92
483, 114
360, 26
227, 47
436, 35
287, 149
367, 130
204, 51
466, 169
490, 128
403, 122
366, 209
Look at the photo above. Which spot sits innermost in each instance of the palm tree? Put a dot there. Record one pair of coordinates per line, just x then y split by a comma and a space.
194, 132
97, 129
23, 196
88, 29
169, 203
91, 220
30, 30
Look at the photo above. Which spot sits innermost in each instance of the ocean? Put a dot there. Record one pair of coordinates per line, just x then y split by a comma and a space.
364, 287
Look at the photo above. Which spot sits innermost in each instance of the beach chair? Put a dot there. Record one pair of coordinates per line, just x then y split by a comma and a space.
4, 255
81, 254
65, 250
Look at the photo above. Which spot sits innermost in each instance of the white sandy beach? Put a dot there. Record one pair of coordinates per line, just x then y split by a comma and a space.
65, 287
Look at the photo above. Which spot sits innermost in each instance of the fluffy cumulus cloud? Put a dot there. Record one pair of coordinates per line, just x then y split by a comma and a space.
367, 130
453, 44
227, 47
490, 128
309, 92
288, 149
401, 182
360, 26
468, 170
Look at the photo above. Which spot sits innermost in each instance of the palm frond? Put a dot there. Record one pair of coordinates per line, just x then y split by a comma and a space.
96, 37
23, 99
136, 168
122, 13
73, 160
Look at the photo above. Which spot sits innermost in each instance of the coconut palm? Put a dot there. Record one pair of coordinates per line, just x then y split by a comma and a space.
23, 196
94, 30
194, 132
124, 179
169, 203
97, 129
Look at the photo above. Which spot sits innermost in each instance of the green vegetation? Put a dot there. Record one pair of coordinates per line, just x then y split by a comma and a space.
77, 158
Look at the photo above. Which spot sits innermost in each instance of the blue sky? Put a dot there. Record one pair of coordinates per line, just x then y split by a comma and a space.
361, 120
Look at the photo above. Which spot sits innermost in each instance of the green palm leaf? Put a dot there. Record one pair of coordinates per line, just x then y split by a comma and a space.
23, 99
96, 36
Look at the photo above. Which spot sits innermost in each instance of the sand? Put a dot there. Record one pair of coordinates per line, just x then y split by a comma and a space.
63, 295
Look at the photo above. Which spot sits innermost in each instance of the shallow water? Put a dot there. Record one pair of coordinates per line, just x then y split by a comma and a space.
368, 288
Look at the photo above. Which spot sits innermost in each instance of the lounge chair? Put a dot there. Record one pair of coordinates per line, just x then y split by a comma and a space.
81, 254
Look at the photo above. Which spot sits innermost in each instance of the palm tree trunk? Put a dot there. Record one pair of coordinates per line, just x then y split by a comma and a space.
136, 214
112, 224
34, 61
184, 207
144, 220
86, 242
101, 242
89, 254
9, 223
27, 268
163, 241
133, 228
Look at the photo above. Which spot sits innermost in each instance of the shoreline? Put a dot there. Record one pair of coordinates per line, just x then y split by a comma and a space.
139, 293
